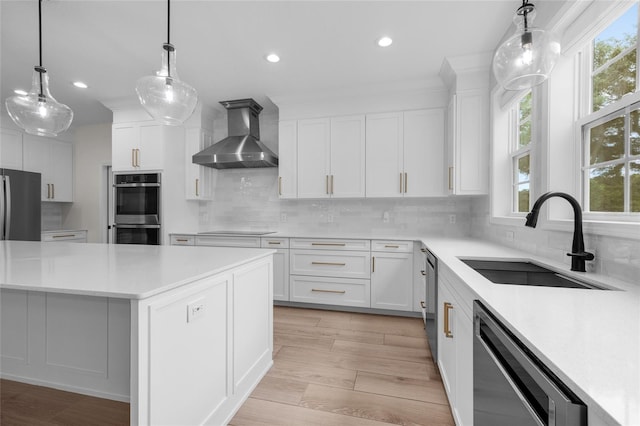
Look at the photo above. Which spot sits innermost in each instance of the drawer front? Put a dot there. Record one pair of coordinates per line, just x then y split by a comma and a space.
392, 246
330, 291
70, 237
330, 244
274, 243
224, 241
182, 240
344, 264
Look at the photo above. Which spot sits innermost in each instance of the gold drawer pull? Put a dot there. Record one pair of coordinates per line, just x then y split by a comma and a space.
391, 246
447, 330
64, 236
320, 290
423, 305
329, 263
274, 242
182, 240
329, 244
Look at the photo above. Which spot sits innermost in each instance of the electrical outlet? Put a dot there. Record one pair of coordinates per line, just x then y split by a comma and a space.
452, 219
283, 217
195, 310
329, 217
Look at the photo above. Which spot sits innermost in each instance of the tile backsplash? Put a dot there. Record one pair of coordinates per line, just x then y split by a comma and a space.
615, 257
51, 216
248, 199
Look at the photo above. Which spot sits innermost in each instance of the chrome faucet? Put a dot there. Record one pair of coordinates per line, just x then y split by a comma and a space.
578, 255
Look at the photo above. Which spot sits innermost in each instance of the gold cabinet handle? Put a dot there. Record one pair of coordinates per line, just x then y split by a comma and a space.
48, 191
391, 246
406, 179
64, 236
320, 290
137, 157
53, 191
326, 184
329, 263
274, 242
182, 240
401, 183
423, 273
423, 305
331, 184
133, 157
373, 264
329, 244
451, 178
280, 185
447, 329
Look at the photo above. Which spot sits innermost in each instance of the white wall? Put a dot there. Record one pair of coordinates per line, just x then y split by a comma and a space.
92, 151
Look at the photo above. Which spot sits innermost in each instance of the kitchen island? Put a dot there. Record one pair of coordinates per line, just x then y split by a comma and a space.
183, 334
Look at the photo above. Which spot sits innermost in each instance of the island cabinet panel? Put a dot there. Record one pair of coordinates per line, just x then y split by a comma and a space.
71, 342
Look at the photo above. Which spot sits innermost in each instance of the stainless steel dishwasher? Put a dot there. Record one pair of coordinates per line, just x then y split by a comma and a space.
431, 320
511, 386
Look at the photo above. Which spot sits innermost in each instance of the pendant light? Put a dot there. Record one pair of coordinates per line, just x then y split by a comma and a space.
527, 57
165, 97
37, 112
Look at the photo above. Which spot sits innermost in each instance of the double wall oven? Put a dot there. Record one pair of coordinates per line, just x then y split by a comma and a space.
137, 215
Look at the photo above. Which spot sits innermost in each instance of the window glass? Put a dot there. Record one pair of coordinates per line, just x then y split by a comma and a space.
634, 172
523, 197
635, 132
607, 141
614, 60
606, 189
524, 121
522, 186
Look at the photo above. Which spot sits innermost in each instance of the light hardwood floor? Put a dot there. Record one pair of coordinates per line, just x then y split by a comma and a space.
330, 368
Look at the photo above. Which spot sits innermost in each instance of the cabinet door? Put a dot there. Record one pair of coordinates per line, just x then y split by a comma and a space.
347, 176
464, 368
392, 281
124, 142
11, 149
446, 343
287, 159
198, 179
470, 148
61, 171
151, 145
313, 158
37, 158
281, 275
424, 158
384, 155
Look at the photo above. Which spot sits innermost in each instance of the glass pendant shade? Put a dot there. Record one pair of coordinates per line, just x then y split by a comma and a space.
164, 96
37, 112
527, 58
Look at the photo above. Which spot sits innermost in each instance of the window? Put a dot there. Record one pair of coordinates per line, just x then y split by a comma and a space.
611, 133
614, 64
521, 156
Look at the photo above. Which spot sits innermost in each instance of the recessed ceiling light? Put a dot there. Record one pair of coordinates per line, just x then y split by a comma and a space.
384, 41
273, 58
20, 92
80, 85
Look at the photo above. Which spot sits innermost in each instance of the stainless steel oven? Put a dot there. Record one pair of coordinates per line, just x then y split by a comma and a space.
137, 204
511, 386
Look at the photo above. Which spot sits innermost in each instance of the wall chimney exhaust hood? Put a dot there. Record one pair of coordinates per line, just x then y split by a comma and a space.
242, 148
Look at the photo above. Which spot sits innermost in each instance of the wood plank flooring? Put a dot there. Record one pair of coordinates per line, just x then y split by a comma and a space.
339, 368
330, 368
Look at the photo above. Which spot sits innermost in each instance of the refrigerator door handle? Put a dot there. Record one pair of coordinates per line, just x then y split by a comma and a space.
7, 209
2, 215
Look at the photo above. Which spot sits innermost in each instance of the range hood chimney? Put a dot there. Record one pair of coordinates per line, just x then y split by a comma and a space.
242, 148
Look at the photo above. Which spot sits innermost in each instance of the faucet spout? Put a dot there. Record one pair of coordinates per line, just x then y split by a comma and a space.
578, 254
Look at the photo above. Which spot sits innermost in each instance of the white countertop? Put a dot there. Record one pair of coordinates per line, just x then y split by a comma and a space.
113, 270
589, 338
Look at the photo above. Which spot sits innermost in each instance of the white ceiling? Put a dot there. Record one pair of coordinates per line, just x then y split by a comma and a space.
325, 46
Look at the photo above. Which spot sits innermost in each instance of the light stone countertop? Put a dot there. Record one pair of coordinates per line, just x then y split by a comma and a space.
589, 338
113, 270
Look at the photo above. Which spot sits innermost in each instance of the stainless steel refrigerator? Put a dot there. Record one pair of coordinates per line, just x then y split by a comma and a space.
20, 205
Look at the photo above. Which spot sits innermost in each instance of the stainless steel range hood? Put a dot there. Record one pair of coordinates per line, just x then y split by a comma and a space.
242, 148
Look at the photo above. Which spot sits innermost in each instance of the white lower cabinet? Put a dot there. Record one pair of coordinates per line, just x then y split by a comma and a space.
330, 291
392, 275
455, 345
280, 266
79, 236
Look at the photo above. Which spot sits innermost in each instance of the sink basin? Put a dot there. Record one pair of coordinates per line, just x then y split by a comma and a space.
525, 273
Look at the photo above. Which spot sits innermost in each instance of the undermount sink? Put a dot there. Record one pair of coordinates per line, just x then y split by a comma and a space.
525, 273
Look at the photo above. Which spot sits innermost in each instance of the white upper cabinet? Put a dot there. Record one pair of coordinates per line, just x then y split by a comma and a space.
468, 142
347, 165
53, 159
199, 180
405, 154
384, 173
314, 156
287, 159
424, 153
10, 149
138, 146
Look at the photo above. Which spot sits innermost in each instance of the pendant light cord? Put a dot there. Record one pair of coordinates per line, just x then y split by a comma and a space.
40, 68
168, 47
